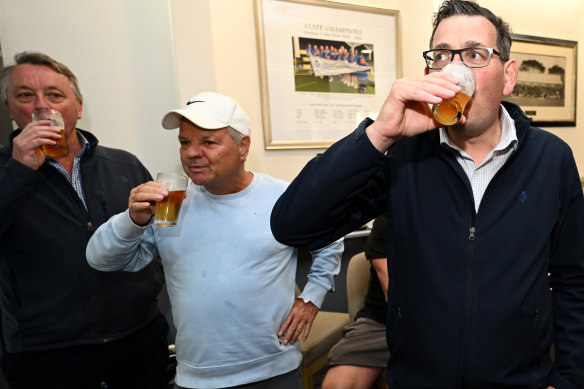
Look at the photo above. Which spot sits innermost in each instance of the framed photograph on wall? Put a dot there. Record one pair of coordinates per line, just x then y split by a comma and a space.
324, 67
546, 83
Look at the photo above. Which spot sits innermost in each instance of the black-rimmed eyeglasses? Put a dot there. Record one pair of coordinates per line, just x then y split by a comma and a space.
474, 57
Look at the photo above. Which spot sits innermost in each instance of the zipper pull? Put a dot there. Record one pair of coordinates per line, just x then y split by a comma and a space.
89, 226
471, 236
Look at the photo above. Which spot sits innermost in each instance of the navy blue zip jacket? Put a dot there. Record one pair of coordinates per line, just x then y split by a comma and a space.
470, 304
50, 297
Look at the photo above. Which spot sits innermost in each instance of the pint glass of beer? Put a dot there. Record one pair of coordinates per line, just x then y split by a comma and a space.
167, 209
60, 148
449, 112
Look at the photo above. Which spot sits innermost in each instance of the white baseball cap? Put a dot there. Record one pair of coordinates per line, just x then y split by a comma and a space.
211, 111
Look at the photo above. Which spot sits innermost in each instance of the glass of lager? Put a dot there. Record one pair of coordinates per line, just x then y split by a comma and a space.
167, 209
449, 112
60, 148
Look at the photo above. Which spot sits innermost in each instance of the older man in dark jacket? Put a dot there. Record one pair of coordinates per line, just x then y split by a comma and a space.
66, 325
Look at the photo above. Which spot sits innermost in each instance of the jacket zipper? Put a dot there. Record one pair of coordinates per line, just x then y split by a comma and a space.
90, 229
463, 374
467, 304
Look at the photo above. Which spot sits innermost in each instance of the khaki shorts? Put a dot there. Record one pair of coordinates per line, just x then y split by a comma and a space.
363, 344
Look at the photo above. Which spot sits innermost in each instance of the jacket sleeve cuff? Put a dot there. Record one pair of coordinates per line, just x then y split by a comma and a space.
314, 292
24, 173
559, 382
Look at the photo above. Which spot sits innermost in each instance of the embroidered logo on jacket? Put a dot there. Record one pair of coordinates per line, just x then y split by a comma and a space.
523, 196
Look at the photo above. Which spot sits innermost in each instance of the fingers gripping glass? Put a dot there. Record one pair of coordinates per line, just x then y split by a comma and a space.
473, 57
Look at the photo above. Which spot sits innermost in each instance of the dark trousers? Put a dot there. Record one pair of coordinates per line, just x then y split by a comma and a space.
138, 361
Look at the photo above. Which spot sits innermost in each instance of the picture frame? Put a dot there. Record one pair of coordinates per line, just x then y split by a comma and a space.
546, 82
312, 98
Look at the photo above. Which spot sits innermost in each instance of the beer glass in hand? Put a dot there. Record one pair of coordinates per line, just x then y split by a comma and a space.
449, 112
60, 148
167, 209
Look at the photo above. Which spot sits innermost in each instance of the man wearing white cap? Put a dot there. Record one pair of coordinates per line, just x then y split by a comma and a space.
231, 284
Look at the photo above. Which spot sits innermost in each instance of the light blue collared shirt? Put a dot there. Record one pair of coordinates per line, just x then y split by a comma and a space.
76, 179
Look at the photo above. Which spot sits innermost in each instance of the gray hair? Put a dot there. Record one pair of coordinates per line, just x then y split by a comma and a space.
470, 8
37, 58
236, 135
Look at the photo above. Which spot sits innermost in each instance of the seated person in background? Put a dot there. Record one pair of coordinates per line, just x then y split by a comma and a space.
358, 359
230, 283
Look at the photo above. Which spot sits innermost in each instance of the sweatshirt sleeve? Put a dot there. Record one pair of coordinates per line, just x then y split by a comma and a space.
333, 195
326, 264
119, 244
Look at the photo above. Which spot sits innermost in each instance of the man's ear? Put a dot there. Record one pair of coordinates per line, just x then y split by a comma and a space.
510, 72
244, 147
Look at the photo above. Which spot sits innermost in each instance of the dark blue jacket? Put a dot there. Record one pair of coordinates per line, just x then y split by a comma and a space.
470, 304
49, 295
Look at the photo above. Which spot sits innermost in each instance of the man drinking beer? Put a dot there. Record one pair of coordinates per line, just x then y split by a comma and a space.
231, 284
479, 213
65, 325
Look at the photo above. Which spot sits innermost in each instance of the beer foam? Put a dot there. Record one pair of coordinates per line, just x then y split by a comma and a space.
464, 74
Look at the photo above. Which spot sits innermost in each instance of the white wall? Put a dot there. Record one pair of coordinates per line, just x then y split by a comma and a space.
122, 53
